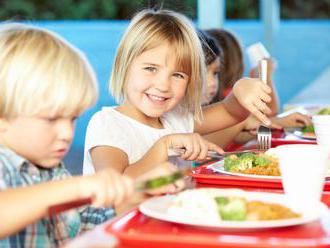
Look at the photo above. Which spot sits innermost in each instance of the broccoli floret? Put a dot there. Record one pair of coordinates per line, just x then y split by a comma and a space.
324, 111
231, 208
230, 163
262, 161
243, 162
308, 129
246, 160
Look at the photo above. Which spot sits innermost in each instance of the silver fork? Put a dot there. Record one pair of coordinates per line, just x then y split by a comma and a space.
264, 137
264, 134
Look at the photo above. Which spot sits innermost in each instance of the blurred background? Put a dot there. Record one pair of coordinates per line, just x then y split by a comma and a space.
296, 32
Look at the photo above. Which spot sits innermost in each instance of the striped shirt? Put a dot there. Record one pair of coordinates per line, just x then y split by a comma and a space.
53, 231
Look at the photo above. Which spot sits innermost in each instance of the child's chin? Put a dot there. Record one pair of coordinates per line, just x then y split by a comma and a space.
51, 163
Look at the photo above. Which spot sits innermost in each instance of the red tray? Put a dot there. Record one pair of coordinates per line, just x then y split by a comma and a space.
282, 141
203, 175
137, 230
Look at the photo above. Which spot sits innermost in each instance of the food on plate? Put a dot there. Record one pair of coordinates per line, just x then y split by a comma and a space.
214, 205
309, 130
252, 163
324, 111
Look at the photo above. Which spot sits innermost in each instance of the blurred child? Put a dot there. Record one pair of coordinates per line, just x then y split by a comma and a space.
233, 66
45, 84
157, 77
231, 69
213, 57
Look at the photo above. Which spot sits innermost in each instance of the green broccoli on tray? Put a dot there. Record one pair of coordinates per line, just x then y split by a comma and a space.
310, 128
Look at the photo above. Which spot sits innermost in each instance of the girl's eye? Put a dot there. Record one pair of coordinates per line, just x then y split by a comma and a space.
178, 75
216, 74
151, 69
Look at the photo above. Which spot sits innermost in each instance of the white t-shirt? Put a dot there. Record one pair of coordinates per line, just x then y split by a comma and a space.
109, 127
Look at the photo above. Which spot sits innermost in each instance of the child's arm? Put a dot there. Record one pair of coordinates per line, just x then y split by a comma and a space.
293, 120
20, 207
196, 149
225, 136
249, 94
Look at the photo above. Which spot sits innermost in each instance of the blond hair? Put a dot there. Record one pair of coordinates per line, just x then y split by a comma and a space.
149, 29
40, 71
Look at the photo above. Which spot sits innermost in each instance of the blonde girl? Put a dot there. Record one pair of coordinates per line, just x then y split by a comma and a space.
157, 78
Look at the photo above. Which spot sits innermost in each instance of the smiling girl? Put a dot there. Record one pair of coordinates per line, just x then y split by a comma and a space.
158, 77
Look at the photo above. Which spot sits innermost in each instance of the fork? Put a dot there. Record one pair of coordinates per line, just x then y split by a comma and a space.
264, 137
264, 134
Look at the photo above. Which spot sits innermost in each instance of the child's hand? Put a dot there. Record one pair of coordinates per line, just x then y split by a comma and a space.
251, 125
254, 95
195, 146
107, 187
160, 171
293, 120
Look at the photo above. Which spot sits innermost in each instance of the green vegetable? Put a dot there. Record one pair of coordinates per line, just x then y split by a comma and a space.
161, 181
230, 164
324, 111
231, 208
308, 129
262, 161
245, 161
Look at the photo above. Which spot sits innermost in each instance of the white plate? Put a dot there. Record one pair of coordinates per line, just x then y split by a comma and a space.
301, 135
157, 208
219, 167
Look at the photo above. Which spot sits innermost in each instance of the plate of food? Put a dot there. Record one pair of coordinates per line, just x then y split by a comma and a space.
308, 132
232, 209
250, 164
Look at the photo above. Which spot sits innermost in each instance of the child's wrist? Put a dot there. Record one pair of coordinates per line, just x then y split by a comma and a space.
82, 188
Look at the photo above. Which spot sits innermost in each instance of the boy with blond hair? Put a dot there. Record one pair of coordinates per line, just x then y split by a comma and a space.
45, 84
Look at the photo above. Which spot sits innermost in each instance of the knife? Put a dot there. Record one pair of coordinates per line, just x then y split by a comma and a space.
211, 154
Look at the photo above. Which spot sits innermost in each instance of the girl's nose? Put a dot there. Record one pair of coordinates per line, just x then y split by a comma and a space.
162, 83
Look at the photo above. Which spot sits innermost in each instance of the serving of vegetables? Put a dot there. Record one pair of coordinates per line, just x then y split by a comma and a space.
310, 129
235, 208
252, 163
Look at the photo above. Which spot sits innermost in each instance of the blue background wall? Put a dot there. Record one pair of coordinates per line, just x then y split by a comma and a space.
300, 47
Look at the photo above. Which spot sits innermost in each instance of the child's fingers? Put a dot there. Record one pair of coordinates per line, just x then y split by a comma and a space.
167, 189
266, 88
196, 148
306, 120
261, 116
214, 147
263, 107
204, 149
265, 98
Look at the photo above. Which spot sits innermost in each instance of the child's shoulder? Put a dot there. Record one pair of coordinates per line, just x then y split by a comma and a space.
108, 112
108, 118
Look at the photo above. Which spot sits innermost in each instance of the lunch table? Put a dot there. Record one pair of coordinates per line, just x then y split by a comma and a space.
134, 229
